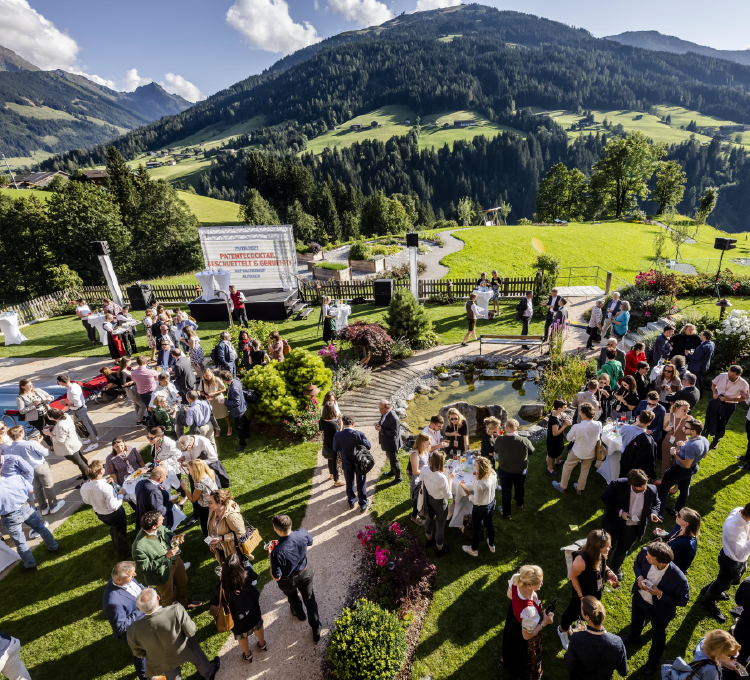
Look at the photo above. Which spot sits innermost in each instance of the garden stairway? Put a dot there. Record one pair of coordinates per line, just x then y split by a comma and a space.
362, 403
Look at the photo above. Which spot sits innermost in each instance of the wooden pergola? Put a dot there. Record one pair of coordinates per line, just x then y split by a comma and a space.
494, 214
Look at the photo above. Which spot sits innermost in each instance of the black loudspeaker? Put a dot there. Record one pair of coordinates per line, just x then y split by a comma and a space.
100, 247
140, 297
383, 291
725, 243
412, 239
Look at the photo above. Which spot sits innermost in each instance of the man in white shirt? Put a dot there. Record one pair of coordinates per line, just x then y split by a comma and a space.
584, 436
83, 311
35, 455
525, 311
728, 390
610, 313
165, 389
434, 432
100, 494
77, 405
735, 549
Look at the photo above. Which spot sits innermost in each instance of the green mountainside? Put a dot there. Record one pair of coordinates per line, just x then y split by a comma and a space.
10, 61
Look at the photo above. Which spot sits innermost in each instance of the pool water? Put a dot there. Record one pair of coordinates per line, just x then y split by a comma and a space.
507, 387
8, 394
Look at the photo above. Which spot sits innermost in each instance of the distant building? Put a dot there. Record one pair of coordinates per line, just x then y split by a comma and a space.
227, 151
433, 122
335, 127
37, 179
172, 162
180, 156
153, 164
152, 153
464, 123
723, 138
734, 128
172, 148
355, 126
198, 152
407, 121
98, 177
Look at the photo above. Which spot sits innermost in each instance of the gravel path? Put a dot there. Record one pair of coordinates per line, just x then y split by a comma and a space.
435, 270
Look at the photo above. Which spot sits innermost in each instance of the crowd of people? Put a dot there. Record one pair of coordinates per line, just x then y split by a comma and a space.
183, 404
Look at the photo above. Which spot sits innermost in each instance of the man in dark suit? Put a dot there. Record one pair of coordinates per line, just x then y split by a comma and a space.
700, 361
151, 495
689, 392
553, 304
184, 375
165, 333
235, 402
118, 603
629, 503
619, 356
345, 442
651, 403
641, 451
524, 312
389, 438
659, 589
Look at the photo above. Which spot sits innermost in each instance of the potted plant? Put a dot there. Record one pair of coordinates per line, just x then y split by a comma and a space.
310, 253
331, 270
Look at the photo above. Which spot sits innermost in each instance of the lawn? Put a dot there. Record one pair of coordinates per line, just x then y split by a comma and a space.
56, 613
462, 636
391, 123
580, 245
648, 124
64, 336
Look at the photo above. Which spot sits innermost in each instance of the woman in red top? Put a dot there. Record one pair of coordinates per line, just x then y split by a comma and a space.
522, 640
633, 357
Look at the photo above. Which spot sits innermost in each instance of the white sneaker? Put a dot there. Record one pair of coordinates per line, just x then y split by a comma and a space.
86, 441
35, 534
45, 511
417, 520
57, 506
564, 639
187, 565
473, 553
90, 448
491, 547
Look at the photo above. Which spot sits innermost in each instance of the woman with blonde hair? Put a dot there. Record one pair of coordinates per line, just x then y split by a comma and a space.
211, 387
226, 525
595, 653
667, 383
524, 622
437, 493
483, 497
195, 350
674, 431
204, 482
456, 432
712, 653
418, 458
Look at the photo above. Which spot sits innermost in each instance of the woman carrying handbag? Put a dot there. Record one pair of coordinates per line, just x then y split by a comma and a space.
235, 605
227, 528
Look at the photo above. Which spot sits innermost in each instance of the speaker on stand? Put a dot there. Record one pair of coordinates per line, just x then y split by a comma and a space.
383, 291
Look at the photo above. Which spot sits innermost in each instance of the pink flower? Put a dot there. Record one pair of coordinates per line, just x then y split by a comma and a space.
648, 313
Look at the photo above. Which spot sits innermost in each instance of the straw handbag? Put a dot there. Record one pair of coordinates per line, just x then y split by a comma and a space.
248, 542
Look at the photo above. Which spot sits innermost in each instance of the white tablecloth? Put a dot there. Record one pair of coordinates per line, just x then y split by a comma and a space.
9, 326
128, 325
7, 556
98, 321
342, 315
610, 468
206, 282
483, 302
462, 503
171, 482
222, 280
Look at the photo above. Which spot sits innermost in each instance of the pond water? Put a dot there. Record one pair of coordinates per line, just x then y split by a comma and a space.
506, 387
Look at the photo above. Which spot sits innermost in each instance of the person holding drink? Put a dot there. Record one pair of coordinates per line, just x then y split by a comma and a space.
492, 427
457, 433
418, 458
524, 622
483, 497
555, 429
225, 526
204, 484
437, 497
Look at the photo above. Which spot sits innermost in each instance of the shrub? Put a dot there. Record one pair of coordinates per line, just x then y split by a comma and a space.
379, 250
348, 375
439, 299
62, 308
64, 277
367, 643
429, 339
550, 267
338, 266
261, 330
301, 368
734, 335
406, 317
423, 248
305, 425
359, 251
315, 248
368, 337
401, 349
301, 248
524, 221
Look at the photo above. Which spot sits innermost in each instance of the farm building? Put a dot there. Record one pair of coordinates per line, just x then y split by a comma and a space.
37, 179
464, 123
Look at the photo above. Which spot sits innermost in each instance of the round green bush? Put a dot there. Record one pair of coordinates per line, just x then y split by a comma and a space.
367, 643
359, 251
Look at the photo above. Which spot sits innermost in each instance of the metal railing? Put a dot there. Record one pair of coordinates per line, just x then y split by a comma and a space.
598, 277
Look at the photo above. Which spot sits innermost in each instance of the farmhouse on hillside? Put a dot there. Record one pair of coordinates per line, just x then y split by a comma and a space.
464, 123
98, 177
37, 179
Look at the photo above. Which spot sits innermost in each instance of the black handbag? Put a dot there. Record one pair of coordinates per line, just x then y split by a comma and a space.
328, 452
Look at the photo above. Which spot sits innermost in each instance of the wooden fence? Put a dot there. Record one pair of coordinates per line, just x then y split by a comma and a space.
310, 291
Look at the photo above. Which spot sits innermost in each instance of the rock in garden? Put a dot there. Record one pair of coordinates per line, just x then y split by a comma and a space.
410, 396
443, 376
405, 428
422, 389
525, 365
401, 413
496, 411
531, 411
535, 429
544, 361
455, 383
399, 403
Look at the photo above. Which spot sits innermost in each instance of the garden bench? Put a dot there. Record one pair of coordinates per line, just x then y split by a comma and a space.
535, 340
304, 313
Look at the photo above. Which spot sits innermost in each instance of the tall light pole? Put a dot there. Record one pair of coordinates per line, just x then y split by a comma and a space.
10, 171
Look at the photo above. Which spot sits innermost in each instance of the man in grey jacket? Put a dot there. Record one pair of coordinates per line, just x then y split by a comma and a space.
389, 438
165, 637
235, 402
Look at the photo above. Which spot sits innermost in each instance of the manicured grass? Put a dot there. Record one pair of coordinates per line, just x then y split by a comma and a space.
56, 613
211, 211
510, 249
26, 193
462, 636
391, 123
649, 125
64, 336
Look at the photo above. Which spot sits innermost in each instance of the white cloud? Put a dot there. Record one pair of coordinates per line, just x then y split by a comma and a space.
267, 25
111, 84
364, 12
424, 5
34, 38
133, 80
178, 85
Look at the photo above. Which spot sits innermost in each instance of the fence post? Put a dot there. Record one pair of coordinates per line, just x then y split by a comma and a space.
609, 283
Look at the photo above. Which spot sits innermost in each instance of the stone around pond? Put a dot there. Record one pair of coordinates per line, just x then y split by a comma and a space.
422, 389
409, 396
454, 383
531, 411
535, 429
443, 376
525, 365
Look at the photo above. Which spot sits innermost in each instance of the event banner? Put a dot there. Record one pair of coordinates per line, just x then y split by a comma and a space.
256, 257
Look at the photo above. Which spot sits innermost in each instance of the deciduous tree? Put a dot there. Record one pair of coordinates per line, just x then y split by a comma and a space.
670, 184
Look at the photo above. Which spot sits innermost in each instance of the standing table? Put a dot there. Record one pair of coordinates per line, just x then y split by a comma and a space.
98, 321
610, 467
342, 316
9, 327
483, 301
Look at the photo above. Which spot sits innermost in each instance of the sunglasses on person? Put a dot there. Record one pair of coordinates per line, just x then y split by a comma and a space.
454, 420
653, 403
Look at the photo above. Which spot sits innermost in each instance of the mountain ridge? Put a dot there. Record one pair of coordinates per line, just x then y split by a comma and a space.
10, 61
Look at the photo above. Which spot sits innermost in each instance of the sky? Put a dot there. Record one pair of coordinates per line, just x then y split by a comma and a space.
195, 48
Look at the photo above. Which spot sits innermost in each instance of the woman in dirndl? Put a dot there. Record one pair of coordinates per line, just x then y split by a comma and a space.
522, 639
148, 322
329, 321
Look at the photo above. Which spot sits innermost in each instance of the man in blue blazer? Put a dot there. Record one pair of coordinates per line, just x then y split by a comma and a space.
345, 442
659, 589
235, 402
651, 403
119, 607
629, 502
610, 312
150, 494
700, 361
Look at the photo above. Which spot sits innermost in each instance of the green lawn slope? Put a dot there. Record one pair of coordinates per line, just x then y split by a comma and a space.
391, 123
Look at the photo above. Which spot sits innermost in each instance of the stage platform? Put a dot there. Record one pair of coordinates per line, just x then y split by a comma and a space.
260, 305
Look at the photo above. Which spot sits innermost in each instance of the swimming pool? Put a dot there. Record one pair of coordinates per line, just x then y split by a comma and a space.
8, 394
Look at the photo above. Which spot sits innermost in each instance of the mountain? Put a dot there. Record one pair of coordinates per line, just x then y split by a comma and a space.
10, 61
653, 40
48, 112
469, 57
